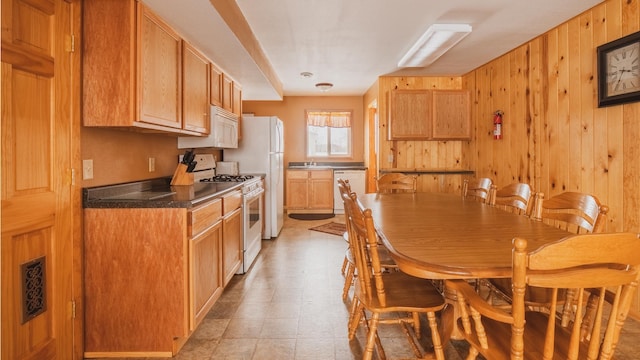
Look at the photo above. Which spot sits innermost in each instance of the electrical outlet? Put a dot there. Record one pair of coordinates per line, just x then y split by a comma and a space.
390, 158
87, 169
152, 164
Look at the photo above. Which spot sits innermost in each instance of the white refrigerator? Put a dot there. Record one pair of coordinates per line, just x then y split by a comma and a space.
261, 151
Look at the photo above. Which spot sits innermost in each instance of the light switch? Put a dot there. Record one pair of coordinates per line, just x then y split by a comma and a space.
87, 169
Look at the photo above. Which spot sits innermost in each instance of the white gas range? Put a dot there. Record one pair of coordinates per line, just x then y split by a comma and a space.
252, 198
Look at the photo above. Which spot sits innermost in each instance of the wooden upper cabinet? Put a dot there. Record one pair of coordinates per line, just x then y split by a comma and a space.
429, 115
451, 115
159, 71
132, 69
108, 61
139, 74
227, 93
237, 106
215, 95
410, 115
195, 90
237, 99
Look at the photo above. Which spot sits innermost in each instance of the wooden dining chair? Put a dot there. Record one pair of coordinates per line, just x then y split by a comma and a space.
348, 264
477, 189
605, 270
396, 182
515, 198
575, 212
345, 188
387, 296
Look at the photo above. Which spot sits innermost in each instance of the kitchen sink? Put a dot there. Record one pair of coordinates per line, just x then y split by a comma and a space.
310, 167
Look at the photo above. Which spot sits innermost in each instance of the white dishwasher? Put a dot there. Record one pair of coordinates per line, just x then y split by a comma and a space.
356, 179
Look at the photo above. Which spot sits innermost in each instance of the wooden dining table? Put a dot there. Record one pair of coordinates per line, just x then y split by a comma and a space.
443, 236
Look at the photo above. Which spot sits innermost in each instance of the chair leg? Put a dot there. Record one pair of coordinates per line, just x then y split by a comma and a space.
379, 349
355, 316
371, 338
473, 353
435, 336
416, 324
348, 280
344, 265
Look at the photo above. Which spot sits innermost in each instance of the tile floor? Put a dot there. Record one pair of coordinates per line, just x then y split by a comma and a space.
289, 306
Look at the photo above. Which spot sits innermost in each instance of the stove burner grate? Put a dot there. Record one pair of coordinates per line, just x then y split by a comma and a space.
228, 178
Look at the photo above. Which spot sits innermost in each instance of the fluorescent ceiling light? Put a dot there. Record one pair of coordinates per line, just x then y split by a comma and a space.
433, 43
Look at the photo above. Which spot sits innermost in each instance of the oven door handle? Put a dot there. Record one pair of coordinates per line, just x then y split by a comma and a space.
253, 194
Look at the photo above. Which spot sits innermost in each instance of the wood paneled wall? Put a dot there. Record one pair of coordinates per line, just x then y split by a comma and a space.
555, 136
419, 154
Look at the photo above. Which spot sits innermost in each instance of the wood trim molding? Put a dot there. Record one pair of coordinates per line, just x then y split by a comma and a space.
235, 20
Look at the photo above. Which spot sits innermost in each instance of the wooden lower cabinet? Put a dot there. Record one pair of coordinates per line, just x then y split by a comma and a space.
136, 281
297, 189
232, 246
151, 276
321, 190
232, 234
309, 191
205, 252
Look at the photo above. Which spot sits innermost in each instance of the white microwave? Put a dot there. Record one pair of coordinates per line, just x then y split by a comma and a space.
224, 132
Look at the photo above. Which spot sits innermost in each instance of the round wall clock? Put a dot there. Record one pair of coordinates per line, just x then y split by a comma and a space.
619, 71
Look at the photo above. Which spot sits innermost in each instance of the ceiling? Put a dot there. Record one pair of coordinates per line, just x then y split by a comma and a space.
351, 42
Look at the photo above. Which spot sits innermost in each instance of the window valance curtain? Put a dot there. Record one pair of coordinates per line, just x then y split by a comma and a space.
336, 119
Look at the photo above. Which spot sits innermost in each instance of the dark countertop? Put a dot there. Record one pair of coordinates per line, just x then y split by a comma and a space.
428, 171
333, 165
154, 193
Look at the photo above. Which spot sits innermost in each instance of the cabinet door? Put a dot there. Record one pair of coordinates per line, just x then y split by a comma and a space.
159, 75
227, 93
321, 189
237, 99
206, 272
195, 90
232, 244
297, 189
108, 57
451, 114
237, 106
215, 96
410, 115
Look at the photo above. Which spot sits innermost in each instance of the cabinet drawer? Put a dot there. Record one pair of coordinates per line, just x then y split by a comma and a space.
321, 174
297, 174
231, 202
204, 216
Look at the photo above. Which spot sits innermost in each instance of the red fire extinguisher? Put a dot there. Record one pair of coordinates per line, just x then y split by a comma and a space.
497, 124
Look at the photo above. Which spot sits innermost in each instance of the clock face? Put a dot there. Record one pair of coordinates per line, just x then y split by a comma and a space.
623, 70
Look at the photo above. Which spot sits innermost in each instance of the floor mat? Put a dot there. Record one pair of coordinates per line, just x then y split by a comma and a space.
311, 216
331, 228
